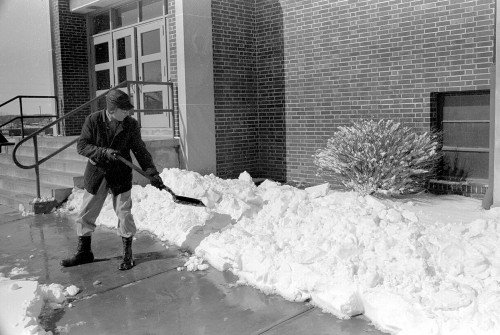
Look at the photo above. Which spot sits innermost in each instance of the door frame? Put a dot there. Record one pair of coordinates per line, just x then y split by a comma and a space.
157, 119
136, 60
96, 40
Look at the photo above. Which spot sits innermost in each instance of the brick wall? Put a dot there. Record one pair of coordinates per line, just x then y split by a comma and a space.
322, 64
236, 121
71, 63
287, 73
271, 89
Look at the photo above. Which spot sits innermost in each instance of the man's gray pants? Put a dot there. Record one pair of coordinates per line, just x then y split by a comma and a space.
92, 205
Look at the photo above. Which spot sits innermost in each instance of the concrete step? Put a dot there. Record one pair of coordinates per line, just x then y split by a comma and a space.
46, 146
7, 149
59, 141
157, 132
62, 172
45, 141
14, 199
58, 175
69, 153
46, 175
51, 141
28, 187
54, 164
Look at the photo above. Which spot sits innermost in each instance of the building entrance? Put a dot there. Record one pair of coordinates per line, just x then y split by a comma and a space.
135, 52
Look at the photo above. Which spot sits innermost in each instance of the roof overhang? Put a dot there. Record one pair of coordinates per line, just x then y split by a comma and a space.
89, 6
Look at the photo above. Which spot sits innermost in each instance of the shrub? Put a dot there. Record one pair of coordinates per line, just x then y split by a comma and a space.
374, 156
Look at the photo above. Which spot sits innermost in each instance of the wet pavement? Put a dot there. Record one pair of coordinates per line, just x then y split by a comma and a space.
154, 297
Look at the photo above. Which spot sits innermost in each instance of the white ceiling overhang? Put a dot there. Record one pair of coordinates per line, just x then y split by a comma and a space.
89, 6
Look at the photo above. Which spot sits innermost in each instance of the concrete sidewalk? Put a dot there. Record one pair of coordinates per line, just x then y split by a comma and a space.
153, 297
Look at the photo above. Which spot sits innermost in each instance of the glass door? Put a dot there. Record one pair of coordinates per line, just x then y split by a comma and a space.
152, 67
103, 75
124, 57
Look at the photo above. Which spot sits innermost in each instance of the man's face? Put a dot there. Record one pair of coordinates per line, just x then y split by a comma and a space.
119, 114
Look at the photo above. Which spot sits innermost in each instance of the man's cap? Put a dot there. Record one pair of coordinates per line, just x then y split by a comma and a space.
118, 99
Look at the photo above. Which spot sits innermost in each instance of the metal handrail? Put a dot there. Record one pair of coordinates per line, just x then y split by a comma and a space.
22, 117
65, 116
28, 96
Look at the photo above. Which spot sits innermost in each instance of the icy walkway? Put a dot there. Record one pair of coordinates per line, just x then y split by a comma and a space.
152, 298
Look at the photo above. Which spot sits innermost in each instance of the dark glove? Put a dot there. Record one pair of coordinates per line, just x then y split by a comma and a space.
155, 178
157, 182
111, 154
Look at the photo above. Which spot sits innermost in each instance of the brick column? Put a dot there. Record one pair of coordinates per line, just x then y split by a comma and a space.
492, 196
494, 182
69, 38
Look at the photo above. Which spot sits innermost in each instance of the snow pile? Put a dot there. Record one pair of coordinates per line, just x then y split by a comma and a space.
156, 212
352, 254
348, 254
26, 299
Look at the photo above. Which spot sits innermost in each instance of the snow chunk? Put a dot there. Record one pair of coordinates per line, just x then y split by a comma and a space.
195, 264
245, 176
71, 291
318, 191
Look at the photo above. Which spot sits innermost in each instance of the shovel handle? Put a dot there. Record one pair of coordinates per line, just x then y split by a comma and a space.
139, 170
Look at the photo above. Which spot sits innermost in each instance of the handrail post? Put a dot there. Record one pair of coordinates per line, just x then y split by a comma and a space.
22, 118
37, 169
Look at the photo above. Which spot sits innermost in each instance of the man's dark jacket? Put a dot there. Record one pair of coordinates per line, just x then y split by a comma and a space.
93, 143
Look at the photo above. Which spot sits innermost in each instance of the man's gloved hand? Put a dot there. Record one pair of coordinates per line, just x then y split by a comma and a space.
111, 154
155, 178
157, 182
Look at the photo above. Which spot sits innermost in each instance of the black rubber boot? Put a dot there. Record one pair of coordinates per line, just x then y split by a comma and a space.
128, 260
83, 254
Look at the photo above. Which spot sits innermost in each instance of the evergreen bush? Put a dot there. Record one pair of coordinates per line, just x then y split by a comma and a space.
381, 156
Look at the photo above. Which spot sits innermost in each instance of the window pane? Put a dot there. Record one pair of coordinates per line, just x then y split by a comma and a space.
126, 15
466, 107
459, 166
101, 23
124, 47
153, 100
101, 53
471, 135
102, 80
125, 73
152, 71
150, 42
151, 9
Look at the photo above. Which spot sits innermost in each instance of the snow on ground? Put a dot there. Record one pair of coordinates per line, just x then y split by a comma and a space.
26, 299
419, 265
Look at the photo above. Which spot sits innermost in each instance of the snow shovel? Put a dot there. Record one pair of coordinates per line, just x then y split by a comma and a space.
177, 198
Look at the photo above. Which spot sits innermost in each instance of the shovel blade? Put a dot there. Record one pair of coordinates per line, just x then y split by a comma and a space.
189, 201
